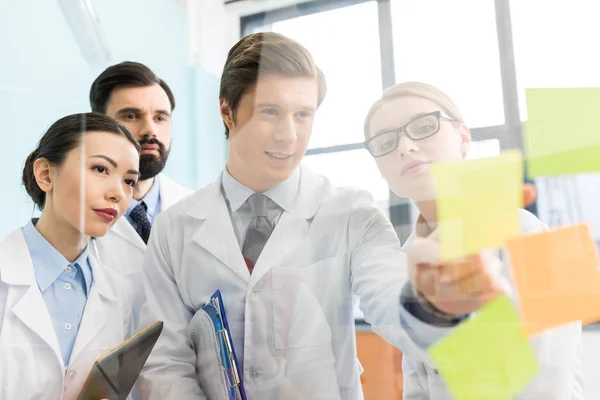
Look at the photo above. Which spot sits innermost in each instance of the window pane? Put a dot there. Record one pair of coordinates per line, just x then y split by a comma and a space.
556, 47
345, 45
483, 148
352, 168
454, 46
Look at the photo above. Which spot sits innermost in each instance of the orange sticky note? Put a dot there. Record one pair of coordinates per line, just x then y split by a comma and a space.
557, 277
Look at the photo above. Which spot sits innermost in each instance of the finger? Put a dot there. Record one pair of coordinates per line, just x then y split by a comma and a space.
491, 262
426, 279
460, 287
474, 279
451, 302
455, 300
475, 284
423, 251
459, 269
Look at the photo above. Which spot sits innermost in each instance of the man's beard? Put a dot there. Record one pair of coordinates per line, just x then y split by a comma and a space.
151, 164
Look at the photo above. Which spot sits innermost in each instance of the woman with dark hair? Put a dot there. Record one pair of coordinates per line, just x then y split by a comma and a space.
60, 309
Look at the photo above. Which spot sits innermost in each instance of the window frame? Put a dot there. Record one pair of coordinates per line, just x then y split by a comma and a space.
509, 134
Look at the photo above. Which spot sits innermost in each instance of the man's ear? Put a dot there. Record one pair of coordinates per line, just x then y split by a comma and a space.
42, 171
226, 114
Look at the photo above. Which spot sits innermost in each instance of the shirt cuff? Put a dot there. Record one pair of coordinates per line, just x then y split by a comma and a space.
422, 333
423, 328
410, 302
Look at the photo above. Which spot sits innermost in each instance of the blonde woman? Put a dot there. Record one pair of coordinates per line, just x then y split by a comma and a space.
412, 126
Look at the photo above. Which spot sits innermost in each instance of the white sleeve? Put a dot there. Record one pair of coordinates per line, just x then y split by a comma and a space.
558, 352
379, 271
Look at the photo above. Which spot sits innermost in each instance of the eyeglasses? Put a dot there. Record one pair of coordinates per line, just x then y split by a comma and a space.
419, 128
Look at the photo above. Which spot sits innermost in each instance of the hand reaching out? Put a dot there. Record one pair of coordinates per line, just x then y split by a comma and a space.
456, 287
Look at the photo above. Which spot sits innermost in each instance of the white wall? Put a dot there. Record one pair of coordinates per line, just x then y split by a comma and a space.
591, 373
44, 77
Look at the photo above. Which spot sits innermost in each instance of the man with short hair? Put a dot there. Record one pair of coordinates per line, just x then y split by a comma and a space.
288, 251
133, 95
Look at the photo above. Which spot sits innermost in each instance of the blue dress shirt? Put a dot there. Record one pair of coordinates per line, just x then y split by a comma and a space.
64, 286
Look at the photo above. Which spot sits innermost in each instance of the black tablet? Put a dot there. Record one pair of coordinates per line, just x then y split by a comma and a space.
114, 374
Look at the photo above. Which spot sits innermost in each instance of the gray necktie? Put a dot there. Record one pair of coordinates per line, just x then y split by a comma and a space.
259, 230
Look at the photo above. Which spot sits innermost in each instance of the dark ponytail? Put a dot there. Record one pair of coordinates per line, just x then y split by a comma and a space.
63, 136
31, 186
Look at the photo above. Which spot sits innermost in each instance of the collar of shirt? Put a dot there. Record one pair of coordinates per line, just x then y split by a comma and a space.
283, 194
48, 263
151, 199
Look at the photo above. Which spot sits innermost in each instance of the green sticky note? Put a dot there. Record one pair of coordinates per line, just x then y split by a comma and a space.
562, 134
488, 356
478, 203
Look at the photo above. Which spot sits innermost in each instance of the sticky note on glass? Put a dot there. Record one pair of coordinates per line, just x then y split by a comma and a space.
556, 276
561, 135
478, 203
488, 356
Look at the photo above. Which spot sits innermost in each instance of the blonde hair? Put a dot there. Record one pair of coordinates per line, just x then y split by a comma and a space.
416, 89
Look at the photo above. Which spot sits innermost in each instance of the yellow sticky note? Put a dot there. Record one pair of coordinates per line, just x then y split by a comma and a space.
561, 135
557, 278
478, 202
488, 356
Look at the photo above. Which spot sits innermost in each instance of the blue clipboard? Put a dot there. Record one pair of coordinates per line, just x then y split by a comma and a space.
215, 309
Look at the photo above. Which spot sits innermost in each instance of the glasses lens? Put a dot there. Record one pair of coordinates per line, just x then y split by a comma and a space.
383, 144
423, 127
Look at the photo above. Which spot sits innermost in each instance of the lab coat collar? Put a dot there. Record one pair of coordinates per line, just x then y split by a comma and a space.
311, 192
217, 236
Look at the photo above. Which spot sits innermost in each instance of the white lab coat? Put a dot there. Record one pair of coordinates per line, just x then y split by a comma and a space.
122, 248
335, 243
31, 365
558, 352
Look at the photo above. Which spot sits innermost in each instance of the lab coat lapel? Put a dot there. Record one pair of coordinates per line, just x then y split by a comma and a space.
216, 234
124, 229
169, 192
97, 308
293, 226
30, 309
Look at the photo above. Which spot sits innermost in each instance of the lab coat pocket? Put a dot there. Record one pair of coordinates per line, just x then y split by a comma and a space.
308, 303
28, 372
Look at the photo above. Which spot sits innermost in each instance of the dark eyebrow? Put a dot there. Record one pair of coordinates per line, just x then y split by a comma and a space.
129, 110
114, 164
110, 160
266, 105
138, 111
163, 112
304, 108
